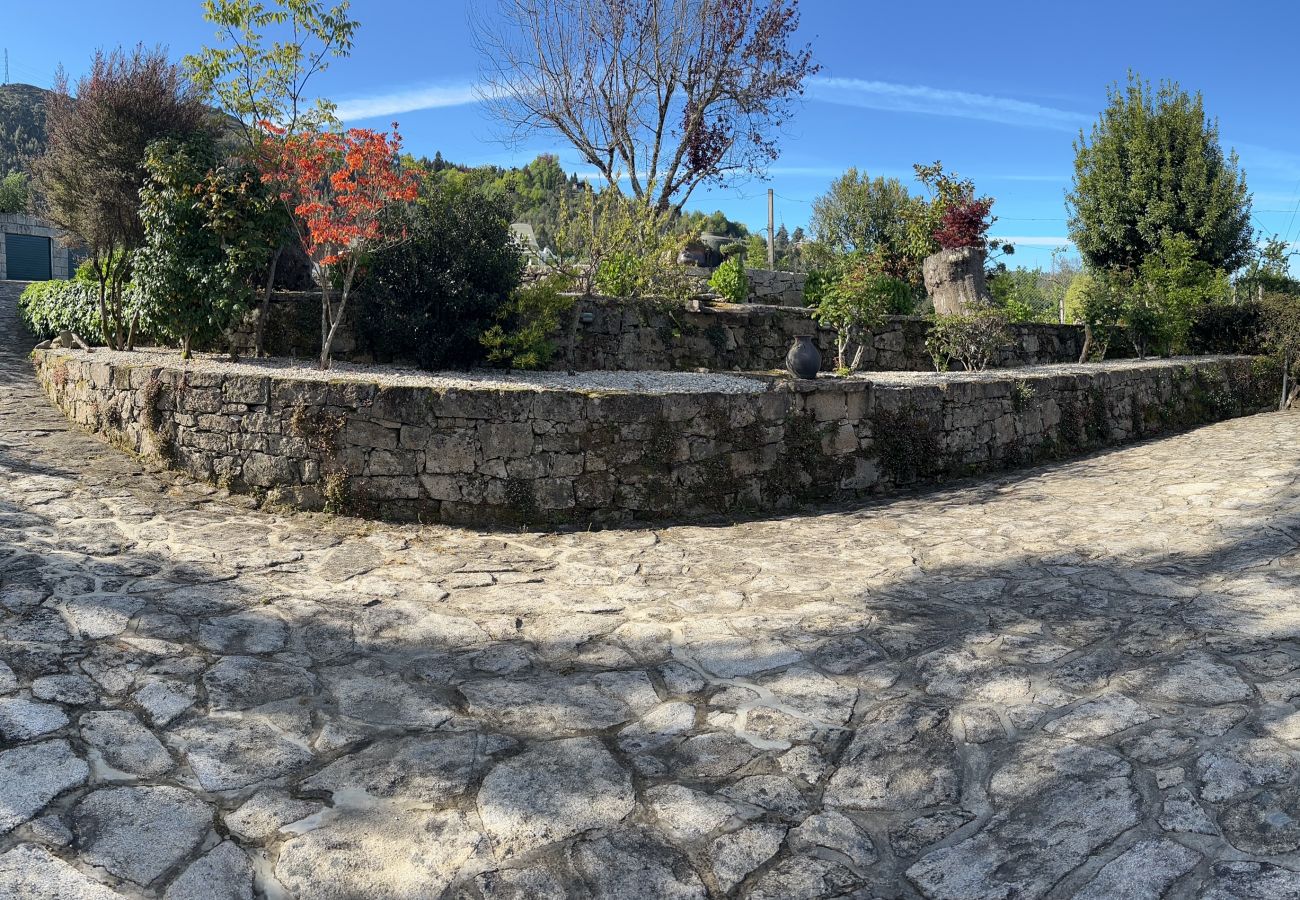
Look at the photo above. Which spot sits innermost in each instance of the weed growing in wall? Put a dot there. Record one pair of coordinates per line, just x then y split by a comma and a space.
906, 443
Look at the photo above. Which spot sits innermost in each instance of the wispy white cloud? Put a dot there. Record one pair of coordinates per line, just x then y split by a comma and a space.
916, 98
393, 103
1033, 241
1266, 161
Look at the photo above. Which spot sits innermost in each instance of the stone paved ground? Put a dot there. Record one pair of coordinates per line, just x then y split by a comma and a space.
1077, 681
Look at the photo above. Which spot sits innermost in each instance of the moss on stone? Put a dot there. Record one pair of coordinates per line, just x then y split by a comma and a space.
906, 443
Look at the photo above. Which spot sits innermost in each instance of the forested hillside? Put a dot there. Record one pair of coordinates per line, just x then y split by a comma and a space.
22, 126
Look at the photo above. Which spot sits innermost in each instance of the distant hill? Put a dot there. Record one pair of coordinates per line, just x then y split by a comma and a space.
22, 126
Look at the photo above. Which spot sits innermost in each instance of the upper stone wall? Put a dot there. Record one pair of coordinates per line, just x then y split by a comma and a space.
608, 335
549, 456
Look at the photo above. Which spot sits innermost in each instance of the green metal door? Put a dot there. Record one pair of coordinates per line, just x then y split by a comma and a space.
27, 257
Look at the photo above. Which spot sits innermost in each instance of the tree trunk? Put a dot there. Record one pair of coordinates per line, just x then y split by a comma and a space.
130, 335
324, 323
1286, 371
259, 330
857, 357
103, 312
327, 342
185, 346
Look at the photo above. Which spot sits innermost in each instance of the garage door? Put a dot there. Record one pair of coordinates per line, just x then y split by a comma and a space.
27, 257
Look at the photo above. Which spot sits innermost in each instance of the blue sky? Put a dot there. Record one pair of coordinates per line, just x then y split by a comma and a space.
997, 91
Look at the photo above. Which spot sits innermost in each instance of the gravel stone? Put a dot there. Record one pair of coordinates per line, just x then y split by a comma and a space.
264, 814
229, 754
22, 720
379, 854
1143, 872
733, 856
901, 756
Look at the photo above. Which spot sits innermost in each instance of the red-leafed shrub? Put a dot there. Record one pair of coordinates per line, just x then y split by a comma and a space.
965, 223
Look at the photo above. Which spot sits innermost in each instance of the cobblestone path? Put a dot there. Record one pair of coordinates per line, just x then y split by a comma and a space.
1078, 681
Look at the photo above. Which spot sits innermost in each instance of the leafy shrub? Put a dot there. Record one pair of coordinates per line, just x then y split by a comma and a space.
1021, 294
622, 247
816, 284
1226, 327
521, 338
1171, 288
856, 302
48, 307
207, 233
14, 193
730, 280
431, 298
964, 223
974, 340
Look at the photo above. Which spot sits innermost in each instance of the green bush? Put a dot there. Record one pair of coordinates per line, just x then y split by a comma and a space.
815, 285
974, 340
430, 298
730, 280
1226, 327
853, 304
14, 193
207, 233
48, 307
522, 336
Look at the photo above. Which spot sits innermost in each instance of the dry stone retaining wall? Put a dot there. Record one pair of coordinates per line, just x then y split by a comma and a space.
560, 456
618, 335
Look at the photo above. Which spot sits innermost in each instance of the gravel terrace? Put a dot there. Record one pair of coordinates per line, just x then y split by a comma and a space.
1075, 681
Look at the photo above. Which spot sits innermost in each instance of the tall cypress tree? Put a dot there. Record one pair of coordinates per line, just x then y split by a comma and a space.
1153, 168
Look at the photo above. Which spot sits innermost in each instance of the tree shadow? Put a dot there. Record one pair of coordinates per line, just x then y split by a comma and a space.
377, 667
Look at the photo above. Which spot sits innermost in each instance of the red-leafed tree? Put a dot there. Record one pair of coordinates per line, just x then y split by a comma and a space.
341, 188
965, 223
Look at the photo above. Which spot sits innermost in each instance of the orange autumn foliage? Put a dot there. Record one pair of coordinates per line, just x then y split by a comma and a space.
338, 186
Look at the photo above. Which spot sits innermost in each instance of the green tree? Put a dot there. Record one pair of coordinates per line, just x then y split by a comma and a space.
1022, 294
1268, 271
14, 193
1154, 307
262, 83
205, 239
1153, 167
855, 303
1282, 333
430, 298
259, 80
90, 177
861, 214
1172, 286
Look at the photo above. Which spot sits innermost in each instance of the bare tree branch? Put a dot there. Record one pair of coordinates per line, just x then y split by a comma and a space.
670, 94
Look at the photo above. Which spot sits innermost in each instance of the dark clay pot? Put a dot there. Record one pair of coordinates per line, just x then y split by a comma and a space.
804, 359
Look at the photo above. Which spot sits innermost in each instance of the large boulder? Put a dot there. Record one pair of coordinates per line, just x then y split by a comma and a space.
954, 279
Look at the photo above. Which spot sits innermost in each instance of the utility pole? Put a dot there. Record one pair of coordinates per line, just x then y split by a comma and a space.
771, 230
6, 65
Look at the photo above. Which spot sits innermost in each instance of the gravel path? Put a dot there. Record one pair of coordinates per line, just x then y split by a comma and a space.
1078, 681
638, 382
